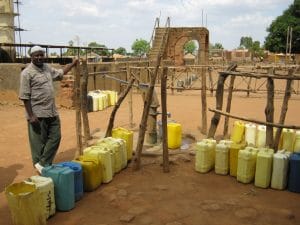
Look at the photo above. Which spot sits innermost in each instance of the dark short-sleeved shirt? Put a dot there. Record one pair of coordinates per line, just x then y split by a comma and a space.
36, 85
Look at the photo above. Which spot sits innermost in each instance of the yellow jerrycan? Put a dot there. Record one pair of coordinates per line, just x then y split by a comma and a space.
261, 136
222, 159
127, 136
238, 132
288, 138
297, 141
25, 204
250, 134
174, 135
264, 165
204, 157
246, 165
233, 157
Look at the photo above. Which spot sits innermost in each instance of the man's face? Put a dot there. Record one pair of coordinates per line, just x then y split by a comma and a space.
38, 58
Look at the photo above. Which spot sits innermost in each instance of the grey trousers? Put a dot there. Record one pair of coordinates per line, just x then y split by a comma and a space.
44, 139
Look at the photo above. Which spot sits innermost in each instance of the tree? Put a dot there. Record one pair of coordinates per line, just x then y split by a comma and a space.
71, 51
121, 51
140, 47
190, 47
103, 51
277, 37
246, 42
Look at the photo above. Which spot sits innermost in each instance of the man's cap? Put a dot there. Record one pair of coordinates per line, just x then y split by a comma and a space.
36, 48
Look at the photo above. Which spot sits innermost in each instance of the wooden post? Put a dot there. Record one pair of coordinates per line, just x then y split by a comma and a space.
284, 108
84, 112
249, 86
219, 101
164, 119
228, 107
172, 82
269, 110
76, 72
204, 102
211, 81
116, 107
143, 124
130, 98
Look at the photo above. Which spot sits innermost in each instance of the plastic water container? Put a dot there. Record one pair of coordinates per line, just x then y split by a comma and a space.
63, 179
228, 143
46, 188
105, 157
233, 157
78, 178
115, 146
288, 137
212, 145
250, 134
25, 204
89, 103
297, 141
204, 157
280, 169
294, 173
261, 136
95, 98
264, 165
91, 171
238, 131
222, 159
127, 136
246, 165
174, 135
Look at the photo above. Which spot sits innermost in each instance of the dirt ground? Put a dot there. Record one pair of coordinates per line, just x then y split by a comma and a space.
149, 196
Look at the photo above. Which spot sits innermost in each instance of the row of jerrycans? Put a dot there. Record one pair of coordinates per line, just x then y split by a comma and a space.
100, 99
256, 136
249, 163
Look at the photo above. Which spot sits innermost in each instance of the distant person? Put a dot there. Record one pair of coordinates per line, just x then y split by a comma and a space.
37, 93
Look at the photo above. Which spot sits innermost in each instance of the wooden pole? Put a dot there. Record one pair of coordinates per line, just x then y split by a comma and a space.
254, 120
204, 102
211, 81
228, 107
249, 86
76, 72
116, 107
84, 112
143, 124
219, 101
269, 110
284, 108
164, 120
129, 99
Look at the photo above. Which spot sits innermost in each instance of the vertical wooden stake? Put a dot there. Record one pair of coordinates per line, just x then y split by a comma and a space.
211, 81
85, 119
249, 86
129, 99
284, 108
228, 107
269, 110
204, 102
76, 72
164, 119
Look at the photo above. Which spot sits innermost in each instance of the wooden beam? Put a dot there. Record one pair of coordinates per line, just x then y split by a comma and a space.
254, 120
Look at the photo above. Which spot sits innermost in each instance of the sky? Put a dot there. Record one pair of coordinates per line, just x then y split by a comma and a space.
118, 23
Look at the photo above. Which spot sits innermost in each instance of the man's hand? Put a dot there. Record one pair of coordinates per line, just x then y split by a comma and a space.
34, 120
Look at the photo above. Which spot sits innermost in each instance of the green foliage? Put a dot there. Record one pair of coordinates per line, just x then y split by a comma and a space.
277, 37
121, 51
218, 46
94, 44
190, 47
140, 47
246, 42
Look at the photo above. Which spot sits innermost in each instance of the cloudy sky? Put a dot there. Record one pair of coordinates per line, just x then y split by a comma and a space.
117, 23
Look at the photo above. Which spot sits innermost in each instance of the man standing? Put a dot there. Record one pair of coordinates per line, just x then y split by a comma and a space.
37, 93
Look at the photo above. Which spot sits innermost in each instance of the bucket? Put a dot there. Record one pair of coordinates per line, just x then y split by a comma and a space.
25, 204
